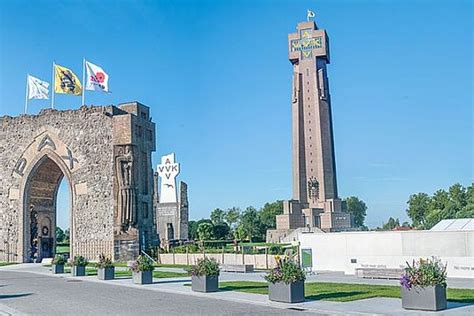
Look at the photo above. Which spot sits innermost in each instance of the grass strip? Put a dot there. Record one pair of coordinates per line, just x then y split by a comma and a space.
343, 292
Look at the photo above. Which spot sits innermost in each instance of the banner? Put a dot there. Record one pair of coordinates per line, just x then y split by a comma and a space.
97, 79
66, 81
37, 89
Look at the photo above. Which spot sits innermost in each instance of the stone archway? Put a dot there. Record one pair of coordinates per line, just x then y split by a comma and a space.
40, 189
105, 154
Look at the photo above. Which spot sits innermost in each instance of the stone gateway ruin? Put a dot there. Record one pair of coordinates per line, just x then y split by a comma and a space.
104, 152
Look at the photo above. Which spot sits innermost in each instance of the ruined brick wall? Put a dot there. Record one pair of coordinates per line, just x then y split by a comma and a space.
82, 144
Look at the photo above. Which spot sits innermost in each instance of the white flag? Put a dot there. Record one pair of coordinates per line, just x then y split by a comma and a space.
97, 79
310, 14
37, 89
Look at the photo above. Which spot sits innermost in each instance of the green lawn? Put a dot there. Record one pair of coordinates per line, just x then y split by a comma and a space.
62, 249
128, 274
6, 263
342, 292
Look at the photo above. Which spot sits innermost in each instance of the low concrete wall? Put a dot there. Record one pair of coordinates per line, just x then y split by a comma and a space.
259, 261
347, 251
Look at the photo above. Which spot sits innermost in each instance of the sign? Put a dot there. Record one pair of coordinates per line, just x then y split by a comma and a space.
168, 170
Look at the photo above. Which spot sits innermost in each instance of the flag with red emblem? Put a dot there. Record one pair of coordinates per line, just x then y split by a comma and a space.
97, 79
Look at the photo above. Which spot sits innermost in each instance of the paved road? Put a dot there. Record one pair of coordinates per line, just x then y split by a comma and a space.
36, 294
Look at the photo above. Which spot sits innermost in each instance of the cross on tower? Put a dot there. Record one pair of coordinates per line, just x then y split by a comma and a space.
306, 43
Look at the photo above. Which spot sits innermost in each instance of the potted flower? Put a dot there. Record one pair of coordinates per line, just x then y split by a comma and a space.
105, 268
142, 270
286, 281
205, 275
423, 285
58, 264
78, 266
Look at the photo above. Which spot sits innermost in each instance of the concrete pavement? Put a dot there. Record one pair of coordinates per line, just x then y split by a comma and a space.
172, 296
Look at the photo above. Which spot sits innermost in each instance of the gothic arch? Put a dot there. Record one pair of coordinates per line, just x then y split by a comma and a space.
38, 191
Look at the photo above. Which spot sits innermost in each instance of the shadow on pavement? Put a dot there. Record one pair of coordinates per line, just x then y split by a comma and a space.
171, 281
459, 303
3, 296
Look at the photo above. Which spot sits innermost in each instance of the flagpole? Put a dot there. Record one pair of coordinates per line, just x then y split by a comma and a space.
83, 81
26, 94
53, 87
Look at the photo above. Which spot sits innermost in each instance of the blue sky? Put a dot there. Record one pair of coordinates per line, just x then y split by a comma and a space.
217, 78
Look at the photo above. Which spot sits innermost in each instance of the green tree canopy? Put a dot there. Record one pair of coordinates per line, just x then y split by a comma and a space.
269, 212
426, 211
205, 231
391, 224
357, 208
418, 205
60, 236
192, 230
250, 226
232, 217
221, 231
217, 216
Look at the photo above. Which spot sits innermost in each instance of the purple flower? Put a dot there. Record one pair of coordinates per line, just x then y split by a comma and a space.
405, 281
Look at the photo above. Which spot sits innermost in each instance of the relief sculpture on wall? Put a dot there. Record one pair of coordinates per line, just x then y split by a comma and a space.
126, 188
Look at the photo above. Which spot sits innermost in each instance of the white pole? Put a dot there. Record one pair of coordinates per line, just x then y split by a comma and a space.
26, 94
52, 87
83, 81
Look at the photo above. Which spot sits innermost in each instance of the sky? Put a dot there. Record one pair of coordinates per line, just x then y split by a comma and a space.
217, 78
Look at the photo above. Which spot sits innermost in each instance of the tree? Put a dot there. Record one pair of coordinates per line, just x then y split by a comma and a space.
250, 226
391, 224
221, 230
269, 212
60, 236
205, 231
426, 211
67, 237
217, 216
232, 217
357, 208
418, 205
192, 230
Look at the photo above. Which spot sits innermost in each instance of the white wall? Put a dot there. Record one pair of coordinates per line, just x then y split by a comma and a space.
390, 249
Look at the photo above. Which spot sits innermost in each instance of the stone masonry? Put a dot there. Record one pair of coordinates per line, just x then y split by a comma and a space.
105, 154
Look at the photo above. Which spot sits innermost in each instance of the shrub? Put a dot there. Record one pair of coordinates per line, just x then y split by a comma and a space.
59, 260
141, 264
424, 272
276, 250
286, 271
104, 262
205, 267
79, 261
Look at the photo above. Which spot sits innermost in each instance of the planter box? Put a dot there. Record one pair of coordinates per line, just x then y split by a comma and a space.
429, 298
57, 268
205, 283
106, 273
143, 277
286, 293
78, 271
